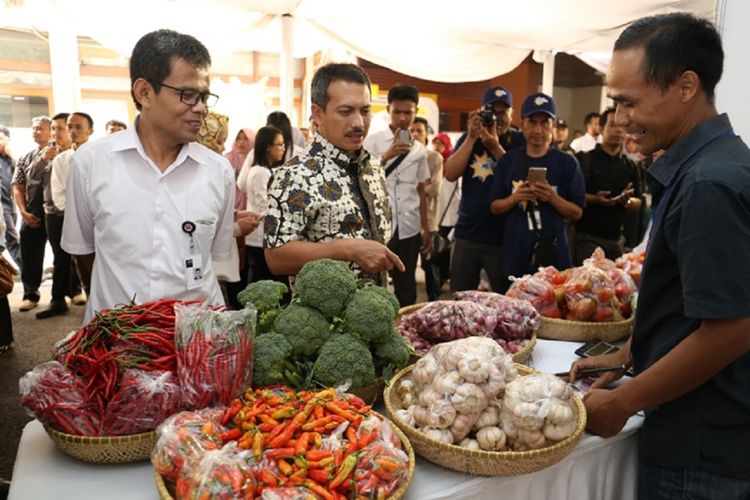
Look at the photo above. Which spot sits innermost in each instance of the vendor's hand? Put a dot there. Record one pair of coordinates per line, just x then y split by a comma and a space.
426, 241
620, 357
524, 193
604, 413
31, 220
395, 149
604, 198
543, 191
374, 257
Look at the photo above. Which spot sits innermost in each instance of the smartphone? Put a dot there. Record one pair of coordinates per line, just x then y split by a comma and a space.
596, 348
404, 136
537, 174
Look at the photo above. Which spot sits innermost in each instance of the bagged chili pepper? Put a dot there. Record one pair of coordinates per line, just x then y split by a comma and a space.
382, 464
298, 493
214, 354
56, 397
516, 318
142, 402
219, 474
185, 437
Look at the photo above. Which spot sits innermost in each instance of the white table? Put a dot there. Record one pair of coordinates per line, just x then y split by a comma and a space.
598, 469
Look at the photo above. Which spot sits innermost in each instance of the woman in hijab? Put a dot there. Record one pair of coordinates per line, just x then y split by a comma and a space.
243, 144
442, 144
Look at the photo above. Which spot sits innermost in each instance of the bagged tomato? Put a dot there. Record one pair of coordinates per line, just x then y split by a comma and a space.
516, 318
632, 263
538, 291
445, 320
590, 296
551, 275
600, 260
625, 289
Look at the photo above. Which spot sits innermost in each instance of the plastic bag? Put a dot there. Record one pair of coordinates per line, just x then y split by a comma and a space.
538, 291
382, 464
632, 263
218, 474
56, 398
185, 437
600, 260
214, 353
516, 318
445, 320
590, 296
142, 402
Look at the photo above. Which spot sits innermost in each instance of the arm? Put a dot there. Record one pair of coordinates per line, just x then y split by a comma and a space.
700, 356
370, 255
505, 205
567, 209
425, 233
88, 262
20, 196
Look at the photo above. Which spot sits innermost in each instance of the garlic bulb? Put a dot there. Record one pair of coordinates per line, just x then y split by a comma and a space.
442, 414
491, 438
469, 444
407, 400
424, 370
507, 424
440, 435
429, 396
474, 369
421, 415
405, 386
462, 425
495, 384
469, 398
559, 412
405, 417
489, 417
527, 416
533, 439
447, 382
558, 432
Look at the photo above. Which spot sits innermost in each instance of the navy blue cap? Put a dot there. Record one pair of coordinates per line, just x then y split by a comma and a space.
538, 103
497, 94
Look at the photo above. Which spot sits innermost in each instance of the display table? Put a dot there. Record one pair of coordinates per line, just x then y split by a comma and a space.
597, 469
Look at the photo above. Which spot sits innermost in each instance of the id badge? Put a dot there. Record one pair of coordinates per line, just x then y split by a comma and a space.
193, 271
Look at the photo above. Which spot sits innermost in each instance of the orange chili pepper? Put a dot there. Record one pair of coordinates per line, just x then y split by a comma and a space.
302, 443
318, 489
285, 467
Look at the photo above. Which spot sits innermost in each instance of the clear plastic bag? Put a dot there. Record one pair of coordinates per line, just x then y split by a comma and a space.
538, 291
516, 318
382, 464
446, 320
222, 474
590, 296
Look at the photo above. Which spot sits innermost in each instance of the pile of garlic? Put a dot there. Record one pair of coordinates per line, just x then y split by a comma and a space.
468, 392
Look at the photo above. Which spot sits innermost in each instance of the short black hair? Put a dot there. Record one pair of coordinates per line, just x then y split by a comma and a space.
590, 117
675, 43
263, 140
115, 123
330, 73
281, 121
403, 93
603, 117
423, 121
84, 115
61, 116
153, 53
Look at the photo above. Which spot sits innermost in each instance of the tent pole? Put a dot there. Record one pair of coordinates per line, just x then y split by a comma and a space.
65, 68
286, 67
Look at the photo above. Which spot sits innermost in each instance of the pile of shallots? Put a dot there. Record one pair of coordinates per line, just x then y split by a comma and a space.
469, 393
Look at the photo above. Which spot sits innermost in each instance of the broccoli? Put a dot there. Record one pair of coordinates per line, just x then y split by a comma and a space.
344, 358
266, 296
271, 361
326, 285
305, 329
384, 292
394, 352
368, 316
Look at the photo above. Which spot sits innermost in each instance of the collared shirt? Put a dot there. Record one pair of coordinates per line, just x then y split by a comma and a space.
586, 142
121, 206
402, 183
30, 171
323, 195
58, 180
604, 172
697, 268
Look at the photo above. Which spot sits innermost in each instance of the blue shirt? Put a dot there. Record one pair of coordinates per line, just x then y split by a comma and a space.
697, 268
6, 181
564, 174
475, 221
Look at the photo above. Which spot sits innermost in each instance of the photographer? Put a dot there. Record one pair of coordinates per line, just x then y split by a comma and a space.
478, 233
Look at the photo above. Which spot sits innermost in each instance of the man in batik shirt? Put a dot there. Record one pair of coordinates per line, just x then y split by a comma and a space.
331, 200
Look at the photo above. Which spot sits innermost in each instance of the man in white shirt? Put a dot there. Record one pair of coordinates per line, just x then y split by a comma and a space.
589, 140
406, 174
80, 127
148, 208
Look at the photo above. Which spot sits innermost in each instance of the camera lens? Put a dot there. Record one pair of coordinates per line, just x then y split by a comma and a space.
487, 117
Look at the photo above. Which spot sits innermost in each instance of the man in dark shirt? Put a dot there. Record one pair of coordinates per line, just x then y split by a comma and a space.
690, 348
612, 187
478, 233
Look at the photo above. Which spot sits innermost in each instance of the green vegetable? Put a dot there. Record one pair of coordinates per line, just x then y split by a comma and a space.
344, 358
266, 296
326, 285
271, 361
394, 352
305, 329
384, 292
368, 316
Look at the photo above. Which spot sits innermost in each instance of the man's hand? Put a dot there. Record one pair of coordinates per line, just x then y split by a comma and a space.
49, 153
524, 193
543, 191
604, 413
474, 125
627, 192
426, 241
620, 357
31, 220
603, 198
488, 136
247, 221
374, 257
395, 149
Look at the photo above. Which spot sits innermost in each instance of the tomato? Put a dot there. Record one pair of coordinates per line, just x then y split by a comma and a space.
558, 278
604, 295
604, 314
551, 311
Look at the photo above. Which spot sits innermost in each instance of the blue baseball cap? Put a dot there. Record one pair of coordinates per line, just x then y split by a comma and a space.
498, 94
538, 103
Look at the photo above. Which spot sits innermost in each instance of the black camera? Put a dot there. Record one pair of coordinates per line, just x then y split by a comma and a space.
487, 116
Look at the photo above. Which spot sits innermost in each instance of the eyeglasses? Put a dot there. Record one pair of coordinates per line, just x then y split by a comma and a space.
279, 144
191, 97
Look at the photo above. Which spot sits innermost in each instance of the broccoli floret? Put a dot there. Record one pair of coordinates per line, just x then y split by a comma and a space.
266, 296
368, 316
305, 329
326, 285
344, 358
271, 361
384, 292
394, 352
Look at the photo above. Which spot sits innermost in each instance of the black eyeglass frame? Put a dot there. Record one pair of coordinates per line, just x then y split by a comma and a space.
204, 97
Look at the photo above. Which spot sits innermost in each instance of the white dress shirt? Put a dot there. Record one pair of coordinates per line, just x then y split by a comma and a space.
58, 178
402, 183
256, 188
122, 207
584, 143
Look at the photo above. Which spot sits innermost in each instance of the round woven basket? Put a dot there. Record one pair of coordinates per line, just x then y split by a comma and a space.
584, 331
370, 394
519, 357
398, 493
105, 450
485, 463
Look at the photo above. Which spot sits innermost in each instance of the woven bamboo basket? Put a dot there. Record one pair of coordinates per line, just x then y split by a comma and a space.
519, 357
105, 450
372, 393
485, 463
165, 492
584, 331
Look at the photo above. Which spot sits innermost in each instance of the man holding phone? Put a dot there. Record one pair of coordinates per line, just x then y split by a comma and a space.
537, 188
406, 175
612, 188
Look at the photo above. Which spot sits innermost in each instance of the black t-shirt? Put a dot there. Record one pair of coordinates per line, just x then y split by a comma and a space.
697, 267
602, 172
